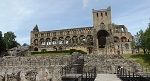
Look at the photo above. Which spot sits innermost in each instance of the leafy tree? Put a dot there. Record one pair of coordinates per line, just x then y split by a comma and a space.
2, 44
147, 39
143, 40
9, 39
0, 35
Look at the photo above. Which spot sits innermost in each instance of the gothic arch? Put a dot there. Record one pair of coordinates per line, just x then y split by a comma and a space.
48, 41
54, 40
55, 48
61, 40
102, 25
89, 39
36, 42
126, 46
82, 39
42, 42
60, 48
116, 39
101, 36
123, 39
75, 39
67, 40
35, 49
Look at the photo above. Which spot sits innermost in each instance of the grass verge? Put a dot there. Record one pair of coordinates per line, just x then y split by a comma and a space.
142, 59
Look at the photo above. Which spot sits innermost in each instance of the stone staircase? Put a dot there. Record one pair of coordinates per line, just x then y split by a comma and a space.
107, 77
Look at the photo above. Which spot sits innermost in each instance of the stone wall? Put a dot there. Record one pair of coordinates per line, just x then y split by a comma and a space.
32, 68
109, 63
46, 68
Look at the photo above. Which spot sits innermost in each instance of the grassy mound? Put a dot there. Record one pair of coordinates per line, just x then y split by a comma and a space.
143, 59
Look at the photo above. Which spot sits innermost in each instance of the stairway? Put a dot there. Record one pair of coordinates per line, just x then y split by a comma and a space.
107, 77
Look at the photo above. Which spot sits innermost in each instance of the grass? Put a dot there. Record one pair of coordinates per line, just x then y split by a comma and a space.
142, 59
55, 53
51, 54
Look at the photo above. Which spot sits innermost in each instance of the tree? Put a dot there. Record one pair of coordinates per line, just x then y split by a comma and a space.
2, 44
9, 39
0, 35
147, 39
143, 40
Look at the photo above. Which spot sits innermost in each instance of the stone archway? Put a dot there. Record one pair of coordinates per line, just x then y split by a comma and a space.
35, 49
90, 50
101, 36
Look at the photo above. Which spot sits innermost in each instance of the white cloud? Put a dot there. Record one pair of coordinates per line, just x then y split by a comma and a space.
85, 3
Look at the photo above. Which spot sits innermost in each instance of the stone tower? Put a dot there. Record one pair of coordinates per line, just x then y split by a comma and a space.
103, 29
101, 17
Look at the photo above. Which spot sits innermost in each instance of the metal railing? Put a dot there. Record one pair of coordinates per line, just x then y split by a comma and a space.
126, 75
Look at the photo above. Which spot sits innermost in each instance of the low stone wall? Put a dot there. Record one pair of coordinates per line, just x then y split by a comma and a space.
32, 68
109, 63
34, 61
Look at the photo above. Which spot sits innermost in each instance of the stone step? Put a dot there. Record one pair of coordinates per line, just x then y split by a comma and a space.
107, 77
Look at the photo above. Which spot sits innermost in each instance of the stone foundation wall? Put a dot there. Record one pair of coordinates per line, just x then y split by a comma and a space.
44, 68
32, 68
109, 63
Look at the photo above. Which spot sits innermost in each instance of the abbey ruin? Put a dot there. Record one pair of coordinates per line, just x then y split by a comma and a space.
101, 38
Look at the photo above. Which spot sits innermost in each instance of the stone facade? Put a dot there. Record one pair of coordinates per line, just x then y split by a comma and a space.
101, 38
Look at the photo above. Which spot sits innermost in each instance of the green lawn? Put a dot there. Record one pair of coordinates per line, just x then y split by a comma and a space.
51, 54
143, 59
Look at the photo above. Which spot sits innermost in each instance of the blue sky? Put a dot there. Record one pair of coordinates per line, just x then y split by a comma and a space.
20, 16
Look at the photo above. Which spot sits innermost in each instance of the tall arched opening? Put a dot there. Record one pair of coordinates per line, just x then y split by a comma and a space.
101, 36
35, 49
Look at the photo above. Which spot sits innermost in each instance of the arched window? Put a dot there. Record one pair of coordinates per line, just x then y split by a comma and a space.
116, 39
36, 42
82, 39
123, 39
54, 40
55, 48
105, 13
102, 25
102, 14
35, 49
61, 40
42, 42
126, 46
48, 41
74, 39
101, 36
89, 39
97, 14
60, 48
67, 40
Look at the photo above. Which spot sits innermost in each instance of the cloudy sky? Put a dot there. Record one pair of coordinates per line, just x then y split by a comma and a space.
20, 16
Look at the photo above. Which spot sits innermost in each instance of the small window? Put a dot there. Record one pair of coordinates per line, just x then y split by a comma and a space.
36, 35
67, 32
105, 13
42, 35
101, 14
97, 14
48, 34
61, 33
54, 34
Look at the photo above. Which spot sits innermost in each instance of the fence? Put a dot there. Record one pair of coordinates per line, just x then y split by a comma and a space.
126, 75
